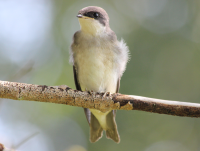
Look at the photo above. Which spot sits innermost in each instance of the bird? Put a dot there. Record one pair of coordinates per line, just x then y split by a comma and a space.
99, 59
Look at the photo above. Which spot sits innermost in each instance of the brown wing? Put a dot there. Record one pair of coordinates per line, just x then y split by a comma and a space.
118, 85
78, 87
117, 91
87, 114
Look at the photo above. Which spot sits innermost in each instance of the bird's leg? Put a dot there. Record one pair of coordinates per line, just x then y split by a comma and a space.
106, 94
89, 91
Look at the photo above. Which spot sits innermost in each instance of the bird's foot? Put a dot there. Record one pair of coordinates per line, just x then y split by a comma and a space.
106, 94
89, 91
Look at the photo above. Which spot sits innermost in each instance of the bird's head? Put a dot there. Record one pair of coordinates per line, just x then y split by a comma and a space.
93, 20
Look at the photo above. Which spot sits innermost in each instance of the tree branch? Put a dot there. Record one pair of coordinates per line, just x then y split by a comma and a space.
1, 147
65, 95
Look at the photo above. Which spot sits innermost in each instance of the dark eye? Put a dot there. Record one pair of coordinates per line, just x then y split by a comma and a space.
96, 15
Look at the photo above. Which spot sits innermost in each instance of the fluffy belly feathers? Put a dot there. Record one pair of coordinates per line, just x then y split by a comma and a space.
96, 71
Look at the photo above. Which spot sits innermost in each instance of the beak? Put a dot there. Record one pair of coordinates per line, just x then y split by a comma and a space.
84, 17
79, 16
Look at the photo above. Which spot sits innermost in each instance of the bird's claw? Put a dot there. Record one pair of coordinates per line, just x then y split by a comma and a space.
106, 94
89, 91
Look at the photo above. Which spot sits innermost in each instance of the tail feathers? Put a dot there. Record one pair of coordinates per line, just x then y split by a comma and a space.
96, 131
112, 132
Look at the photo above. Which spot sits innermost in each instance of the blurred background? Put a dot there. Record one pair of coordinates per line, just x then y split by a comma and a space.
164, 41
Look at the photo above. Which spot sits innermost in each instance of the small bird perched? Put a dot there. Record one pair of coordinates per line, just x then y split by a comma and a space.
99, 61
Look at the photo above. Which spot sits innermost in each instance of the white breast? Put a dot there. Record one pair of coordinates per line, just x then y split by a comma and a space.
96, 70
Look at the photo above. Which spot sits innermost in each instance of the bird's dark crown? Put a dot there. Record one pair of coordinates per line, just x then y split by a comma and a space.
97, 13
